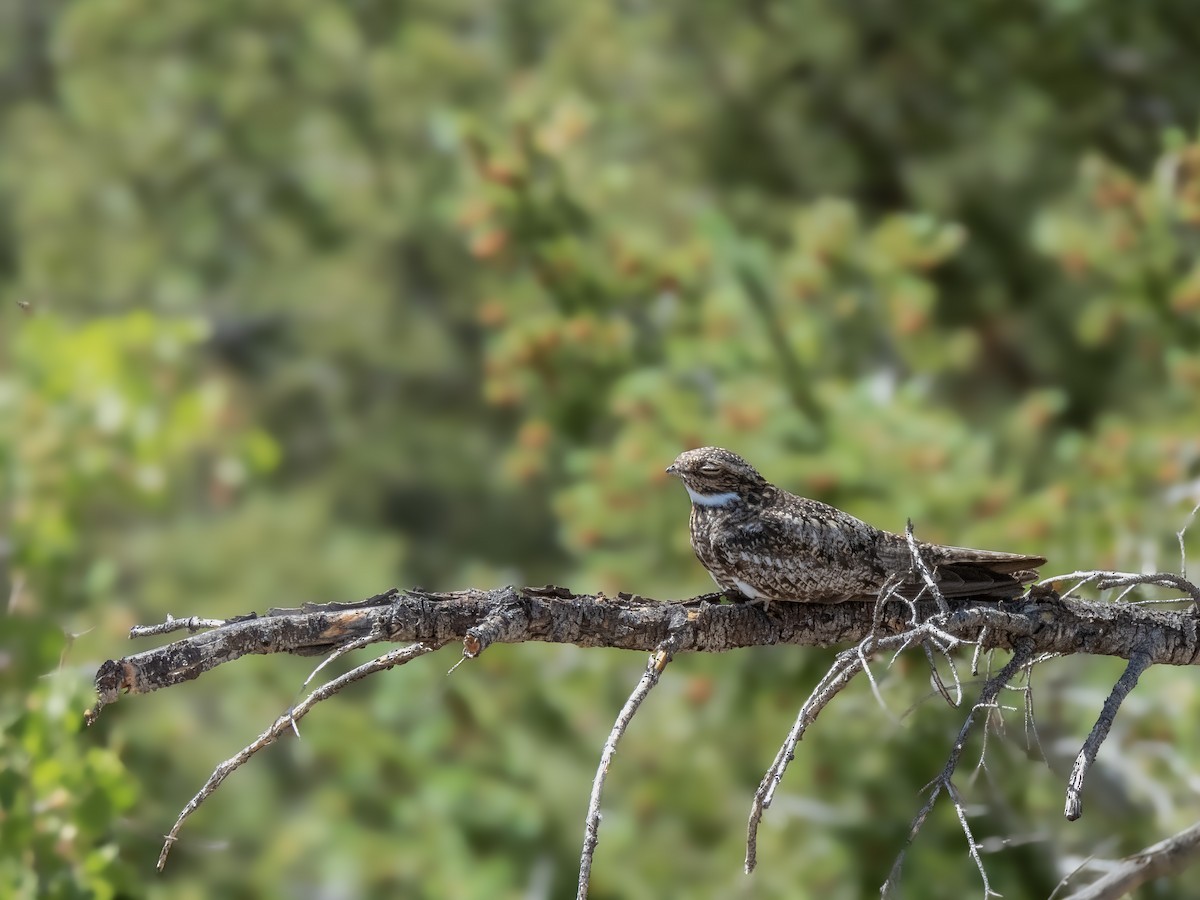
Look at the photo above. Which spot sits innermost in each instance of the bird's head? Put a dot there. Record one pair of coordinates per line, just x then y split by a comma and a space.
716, 477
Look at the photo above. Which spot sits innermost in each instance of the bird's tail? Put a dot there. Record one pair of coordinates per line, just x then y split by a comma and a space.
992, 560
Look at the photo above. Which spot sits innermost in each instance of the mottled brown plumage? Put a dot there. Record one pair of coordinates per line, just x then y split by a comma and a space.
767, 544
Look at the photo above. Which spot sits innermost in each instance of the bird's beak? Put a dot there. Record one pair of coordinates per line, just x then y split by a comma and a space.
671, 470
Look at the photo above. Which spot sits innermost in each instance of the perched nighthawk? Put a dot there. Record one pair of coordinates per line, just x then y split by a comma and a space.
767, 544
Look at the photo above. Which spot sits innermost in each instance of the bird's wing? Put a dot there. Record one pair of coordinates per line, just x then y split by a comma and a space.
962, 571
962, 580
804, 551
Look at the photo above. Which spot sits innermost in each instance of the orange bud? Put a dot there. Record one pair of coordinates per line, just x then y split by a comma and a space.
489, 244
491, 314
534, 434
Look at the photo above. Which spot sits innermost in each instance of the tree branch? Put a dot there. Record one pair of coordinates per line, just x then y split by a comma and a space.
512, 615
1037, 626
1159, 860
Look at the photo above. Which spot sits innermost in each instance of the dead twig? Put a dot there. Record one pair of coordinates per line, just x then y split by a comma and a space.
1106, 580
591, 831
1030, 721
341, 651
287, 722
1168, 857
1181, 534
923, 567
935, 677
931, 586
987, 700
1138, 663
172, 624
1161, 579
847, 664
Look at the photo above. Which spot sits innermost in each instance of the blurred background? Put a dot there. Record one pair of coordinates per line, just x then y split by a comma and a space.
304, 299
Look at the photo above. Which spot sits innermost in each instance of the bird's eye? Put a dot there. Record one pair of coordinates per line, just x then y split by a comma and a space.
709, 469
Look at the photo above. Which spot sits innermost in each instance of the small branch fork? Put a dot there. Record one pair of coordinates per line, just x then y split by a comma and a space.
846, 665
987, 702
1038, 626
1107, 581
932, 635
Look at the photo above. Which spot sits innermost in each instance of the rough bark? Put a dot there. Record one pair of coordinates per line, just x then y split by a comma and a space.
701, 624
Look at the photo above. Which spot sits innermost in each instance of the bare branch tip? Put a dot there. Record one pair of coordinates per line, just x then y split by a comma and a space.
591, 835
1139, 661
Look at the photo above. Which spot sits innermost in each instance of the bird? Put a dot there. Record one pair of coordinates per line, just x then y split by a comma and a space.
766, 544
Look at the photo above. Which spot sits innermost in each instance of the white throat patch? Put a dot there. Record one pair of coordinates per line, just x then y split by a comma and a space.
712, 499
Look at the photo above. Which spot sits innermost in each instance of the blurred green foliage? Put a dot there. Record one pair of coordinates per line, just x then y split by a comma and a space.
303, 299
